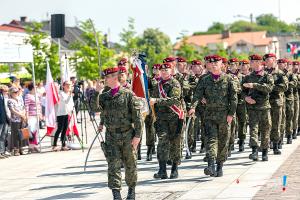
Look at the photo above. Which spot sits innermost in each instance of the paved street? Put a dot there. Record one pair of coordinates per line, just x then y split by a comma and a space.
60, 175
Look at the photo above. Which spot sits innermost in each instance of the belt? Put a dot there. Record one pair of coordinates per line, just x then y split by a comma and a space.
119, 130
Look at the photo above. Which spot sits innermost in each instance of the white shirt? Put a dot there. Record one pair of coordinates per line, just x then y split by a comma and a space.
65, 105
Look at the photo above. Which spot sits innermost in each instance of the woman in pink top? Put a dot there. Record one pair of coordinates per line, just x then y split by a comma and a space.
32, 117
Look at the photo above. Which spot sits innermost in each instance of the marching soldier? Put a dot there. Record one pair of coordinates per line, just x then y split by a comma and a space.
241, 111
123, 76
289, 101
233, 71
121, 115
276, 98
219, 93
197, 71
256, 88
150, 119
296, 99
169, 121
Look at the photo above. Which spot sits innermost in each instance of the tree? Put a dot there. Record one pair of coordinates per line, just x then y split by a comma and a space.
245, 26
43, 48
86, 57
273, 25
129, 38
155, 44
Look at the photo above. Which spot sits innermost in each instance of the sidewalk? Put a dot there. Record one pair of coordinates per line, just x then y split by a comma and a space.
60, 175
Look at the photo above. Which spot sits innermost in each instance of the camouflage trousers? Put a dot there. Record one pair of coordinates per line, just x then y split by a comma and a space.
191, 132
241, 114
260, 121
232, 130
276, 116
201, 125
296, 114
118, 150
217, 135
283, 120
289, 116
150, 131
169, 144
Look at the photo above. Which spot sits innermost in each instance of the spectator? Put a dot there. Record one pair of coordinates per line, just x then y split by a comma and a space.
40, 90
76, 94
90, 90
4, 121
18, 116
33, 113
63, 110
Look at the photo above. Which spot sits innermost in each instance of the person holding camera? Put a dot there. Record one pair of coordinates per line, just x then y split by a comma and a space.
63, 109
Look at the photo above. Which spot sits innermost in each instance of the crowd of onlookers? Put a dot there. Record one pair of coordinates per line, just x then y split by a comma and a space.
22, 105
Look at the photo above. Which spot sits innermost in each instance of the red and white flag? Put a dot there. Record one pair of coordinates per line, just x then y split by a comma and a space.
72, 128
52, 99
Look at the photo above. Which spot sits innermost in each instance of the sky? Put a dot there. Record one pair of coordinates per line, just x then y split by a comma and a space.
170, 16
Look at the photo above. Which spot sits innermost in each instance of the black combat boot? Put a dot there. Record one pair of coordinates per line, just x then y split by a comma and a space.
174, 171
162, 172
131, 193
229, 151
254, 154
169, 162
219, 169
139, 157
188, 156
241, 145
289, 139
210, 169
275, 149
153, 150
280, 144
205, 159
298, 132
202, 149
294, 134
265, 155
149, 153
116, 194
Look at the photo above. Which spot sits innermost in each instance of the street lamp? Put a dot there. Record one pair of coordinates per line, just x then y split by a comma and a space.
246, 17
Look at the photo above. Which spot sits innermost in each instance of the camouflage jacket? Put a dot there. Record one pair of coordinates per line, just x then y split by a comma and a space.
292, 84
119, 111
237, 79
185, 86
172, 89
295, 91
280, 86
262, 87
220, 95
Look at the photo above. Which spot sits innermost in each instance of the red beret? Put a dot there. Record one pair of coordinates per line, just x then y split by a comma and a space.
224, 60
206, 58
269, 55
169, 59
165, 66
110, 71
296, 62
123, 61
282, 60
233, 60
122, 69
180, 59
214, 58
196, 62
156, 66
255, 57
290, 62
244, 62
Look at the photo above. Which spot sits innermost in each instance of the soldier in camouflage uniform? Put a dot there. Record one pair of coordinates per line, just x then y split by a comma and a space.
150, 119
241, 111
220, 95
256, 88
289, 102
197, 71
276, 98
121, 116
123, 76
169, 121
233, 71
296, 99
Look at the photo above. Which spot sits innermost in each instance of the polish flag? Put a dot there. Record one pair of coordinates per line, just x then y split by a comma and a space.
52, 99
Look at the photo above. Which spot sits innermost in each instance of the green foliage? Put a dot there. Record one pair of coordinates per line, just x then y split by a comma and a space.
155, 44
273, 25
42, 51
86, 57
